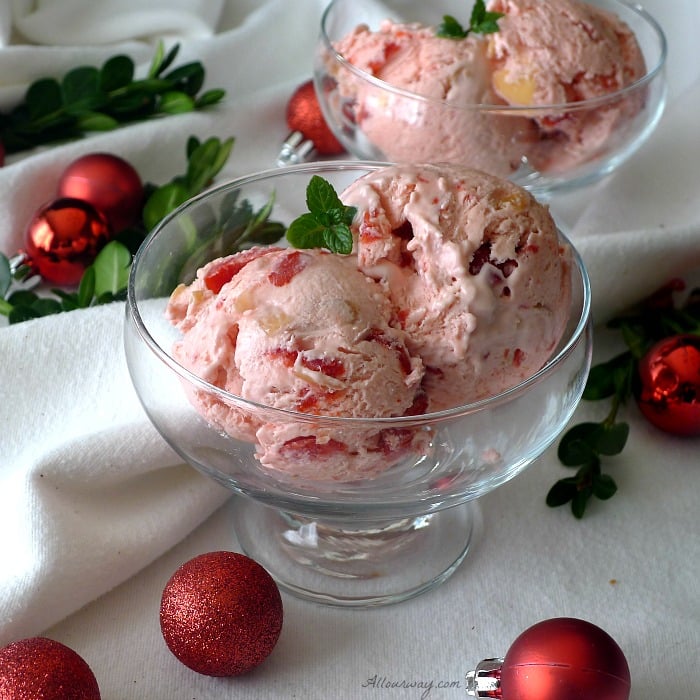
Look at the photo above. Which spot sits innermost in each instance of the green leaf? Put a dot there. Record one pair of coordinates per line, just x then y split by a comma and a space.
306, 232
157, 60
189, 78
562, 492
580, 501
19, 314
81, 90
43, 98
86, 289
609, 439
45, 306
117, 72
601, 382
111, 269
164, 200
338, 238
176, 103
96, 121
321, 197
483, 22
450, 28
5, 275
575, 447
604, 487
210, 97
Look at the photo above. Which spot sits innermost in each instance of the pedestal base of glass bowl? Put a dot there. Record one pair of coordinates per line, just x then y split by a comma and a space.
355, 563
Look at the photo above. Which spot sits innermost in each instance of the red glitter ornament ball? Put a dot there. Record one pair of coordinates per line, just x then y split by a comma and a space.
221, 614
107, 182
42, 669
669, 395
63, 238
304, 115
565, 658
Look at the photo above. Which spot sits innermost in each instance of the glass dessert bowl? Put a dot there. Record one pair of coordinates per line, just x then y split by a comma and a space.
358, 541
396, 93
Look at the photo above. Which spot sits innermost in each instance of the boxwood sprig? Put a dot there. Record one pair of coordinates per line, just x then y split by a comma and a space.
584, 446
88, 99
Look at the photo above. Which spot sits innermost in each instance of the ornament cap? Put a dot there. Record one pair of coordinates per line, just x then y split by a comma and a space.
485, 680
295, 149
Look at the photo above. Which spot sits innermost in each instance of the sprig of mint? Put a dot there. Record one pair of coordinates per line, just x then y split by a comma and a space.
480, 22
100, 99
584, 446
327, 223
106, 279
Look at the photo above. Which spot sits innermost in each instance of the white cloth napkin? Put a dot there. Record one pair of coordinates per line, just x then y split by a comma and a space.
89, 494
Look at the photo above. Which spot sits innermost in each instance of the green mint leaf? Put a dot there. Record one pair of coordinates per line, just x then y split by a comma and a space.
338, 238
111, 269
321, 197
306, 232
188, 78
450, 28
601, 379
483, 22
327, 224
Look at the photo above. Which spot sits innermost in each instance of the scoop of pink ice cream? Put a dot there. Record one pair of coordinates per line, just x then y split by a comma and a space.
432, 116
475, 269
303, 331
564, 51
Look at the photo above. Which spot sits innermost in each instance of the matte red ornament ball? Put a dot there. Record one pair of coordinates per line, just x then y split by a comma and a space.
63, 238
669, 395
565, 658
221, 614
43, 669
304, 115
109, 183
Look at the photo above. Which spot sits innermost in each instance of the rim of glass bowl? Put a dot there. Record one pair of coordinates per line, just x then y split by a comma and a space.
401, 421
514, 109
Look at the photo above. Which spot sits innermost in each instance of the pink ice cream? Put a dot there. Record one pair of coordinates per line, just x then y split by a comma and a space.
428, 118
303, 331
563, 51
474, 269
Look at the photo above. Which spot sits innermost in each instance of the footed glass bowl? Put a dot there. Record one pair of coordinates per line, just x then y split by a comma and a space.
544, 148
360, 543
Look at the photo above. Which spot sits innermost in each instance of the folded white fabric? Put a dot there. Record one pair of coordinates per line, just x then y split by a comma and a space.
89, 493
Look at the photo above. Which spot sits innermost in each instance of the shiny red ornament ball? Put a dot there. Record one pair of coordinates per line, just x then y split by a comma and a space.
304, 115
109, 183
221, 614
63, 238
565, 659
43, 669
669, 394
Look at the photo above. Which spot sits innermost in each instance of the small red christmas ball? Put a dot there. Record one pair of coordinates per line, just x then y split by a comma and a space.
221, 614
565, 658
669, 393
304, 115
42, 669
63, 238
107, 182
